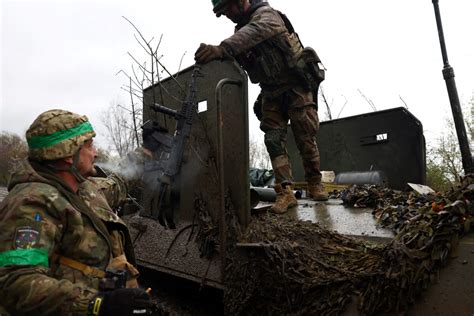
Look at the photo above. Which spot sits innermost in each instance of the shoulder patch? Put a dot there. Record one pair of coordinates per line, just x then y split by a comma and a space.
26, 237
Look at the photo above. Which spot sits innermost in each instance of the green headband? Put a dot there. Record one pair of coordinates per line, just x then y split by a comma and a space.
43, 141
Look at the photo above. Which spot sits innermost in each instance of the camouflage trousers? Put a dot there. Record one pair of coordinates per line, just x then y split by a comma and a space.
297, 106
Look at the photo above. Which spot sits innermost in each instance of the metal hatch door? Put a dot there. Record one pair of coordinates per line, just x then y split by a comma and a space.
221, 91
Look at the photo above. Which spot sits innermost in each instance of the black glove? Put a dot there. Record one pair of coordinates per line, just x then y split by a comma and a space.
205, 53
122, 302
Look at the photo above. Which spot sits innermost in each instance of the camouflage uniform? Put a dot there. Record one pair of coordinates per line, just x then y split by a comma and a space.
38, 221
269, 52
55, 244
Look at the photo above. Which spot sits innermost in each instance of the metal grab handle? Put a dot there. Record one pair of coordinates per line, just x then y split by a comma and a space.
220, 166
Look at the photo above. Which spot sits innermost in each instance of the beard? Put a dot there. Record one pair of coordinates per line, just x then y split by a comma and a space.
88, 171
93, 172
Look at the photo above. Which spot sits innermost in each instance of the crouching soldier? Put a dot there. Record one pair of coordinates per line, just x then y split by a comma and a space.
63, 251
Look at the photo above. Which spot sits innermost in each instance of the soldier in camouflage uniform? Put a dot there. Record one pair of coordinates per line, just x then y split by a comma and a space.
58, 233
266, 46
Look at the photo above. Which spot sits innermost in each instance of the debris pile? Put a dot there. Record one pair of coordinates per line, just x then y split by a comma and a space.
371, 196
428, 229
301, 268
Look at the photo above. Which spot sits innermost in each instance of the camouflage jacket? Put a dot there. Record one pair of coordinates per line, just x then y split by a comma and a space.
38, 225
266, 47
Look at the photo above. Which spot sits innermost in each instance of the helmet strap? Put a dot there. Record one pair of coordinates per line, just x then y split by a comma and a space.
75, 172
73, 168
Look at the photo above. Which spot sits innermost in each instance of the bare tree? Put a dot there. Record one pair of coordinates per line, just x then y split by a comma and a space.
403, 101
328, 107
144, 75
120, 131
258, 156
123, 122
470, 123
369, 101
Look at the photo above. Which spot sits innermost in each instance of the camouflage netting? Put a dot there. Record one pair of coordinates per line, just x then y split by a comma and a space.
299, 268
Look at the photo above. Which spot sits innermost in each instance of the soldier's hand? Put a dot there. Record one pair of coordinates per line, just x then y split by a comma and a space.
122, 302
205, 53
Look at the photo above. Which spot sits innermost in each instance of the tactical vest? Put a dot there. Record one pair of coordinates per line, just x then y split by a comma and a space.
282, 61
273, 61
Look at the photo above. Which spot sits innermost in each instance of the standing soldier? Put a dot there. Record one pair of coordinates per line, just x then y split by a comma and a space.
266, 46
63, 251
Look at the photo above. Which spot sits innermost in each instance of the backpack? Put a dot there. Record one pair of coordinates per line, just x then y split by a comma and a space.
309, 65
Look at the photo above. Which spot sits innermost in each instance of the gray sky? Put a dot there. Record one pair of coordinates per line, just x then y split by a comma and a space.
66, 53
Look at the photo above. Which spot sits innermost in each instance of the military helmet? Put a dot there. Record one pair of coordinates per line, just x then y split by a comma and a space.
57, 134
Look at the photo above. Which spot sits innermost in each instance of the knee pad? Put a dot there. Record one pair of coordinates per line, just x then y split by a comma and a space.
273, 142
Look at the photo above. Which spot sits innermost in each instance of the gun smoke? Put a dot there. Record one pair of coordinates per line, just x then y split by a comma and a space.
127, 169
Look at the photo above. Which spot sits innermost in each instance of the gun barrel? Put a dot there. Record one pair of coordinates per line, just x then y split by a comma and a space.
165, 110
448, 74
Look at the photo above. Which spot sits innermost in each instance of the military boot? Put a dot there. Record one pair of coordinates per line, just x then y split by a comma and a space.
285, 199
316, 191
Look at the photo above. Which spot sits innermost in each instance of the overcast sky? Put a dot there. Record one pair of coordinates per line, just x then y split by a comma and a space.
66, 53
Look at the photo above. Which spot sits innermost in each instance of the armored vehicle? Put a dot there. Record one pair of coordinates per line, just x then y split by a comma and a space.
186, 231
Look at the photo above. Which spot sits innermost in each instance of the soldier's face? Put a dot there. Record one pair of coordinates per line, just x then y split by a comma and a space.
87, 156
233, 12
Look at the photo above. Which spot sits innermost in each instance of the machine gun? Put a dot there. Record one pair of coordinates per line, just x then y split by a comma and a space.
168, 152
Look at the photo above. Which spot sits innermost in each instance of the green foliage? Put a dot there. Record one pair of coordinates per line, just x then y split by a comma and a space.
12, 147
444, 164
436, 177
